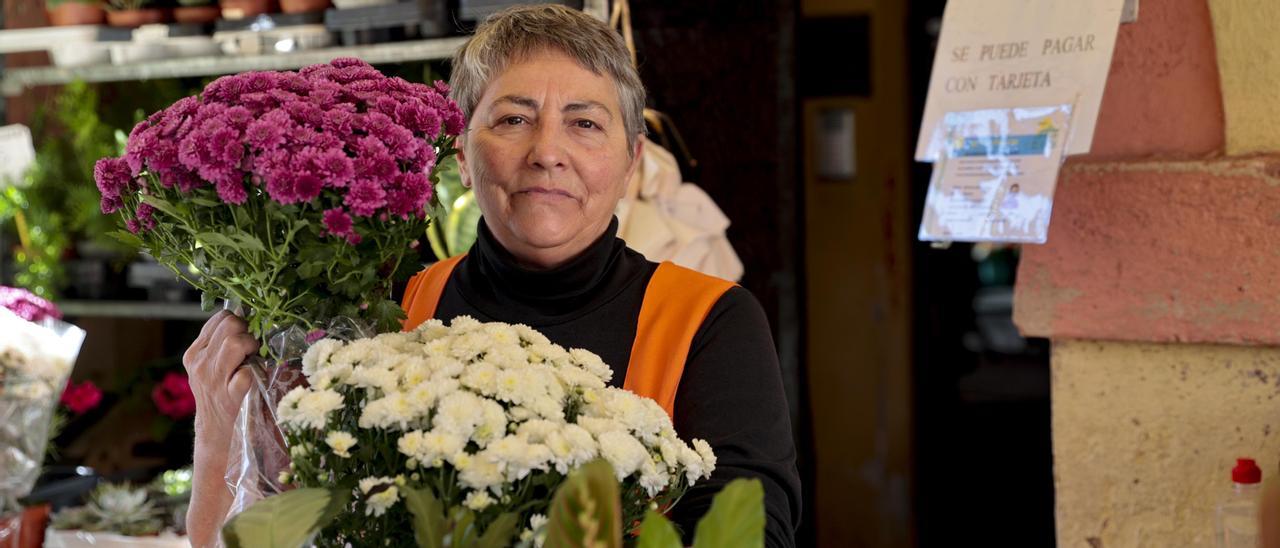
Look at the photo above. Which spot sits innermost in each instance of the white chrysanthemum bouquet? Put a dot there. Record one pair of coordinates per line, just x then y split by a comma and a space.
470, 427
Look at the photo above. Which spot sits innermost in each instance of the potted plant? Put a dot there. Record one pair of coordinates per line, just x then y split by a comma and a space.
133, 13
243, 9
303, 6
74, 12
197, 11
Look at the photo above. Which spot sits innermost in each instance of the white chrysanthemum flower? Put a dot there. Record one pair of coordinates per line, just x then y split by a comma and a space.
481, 472
519, 414
341, 443
708, 456
393, 411
463, 324
438, 347
493, 424
592, 363
459, 413
694, 467
305, 408
548, 352
530, 335
445, 368
669, 448
481, 377
517, 457
537, 430
357, 352
467, 346
432, 329
623, 451
478, 500
575, 377
380, 378
328, 375
378, 503
571, 447
415, 372
598, 426
653, 477
431, 448
500, 334
318, 355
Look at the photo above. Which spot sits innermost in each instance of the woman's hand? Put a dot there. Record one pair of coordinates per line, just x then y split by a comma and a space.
219, 386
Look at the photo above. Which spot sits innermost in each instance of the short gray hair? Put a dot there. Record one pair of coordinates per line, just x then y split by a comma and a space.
518, 31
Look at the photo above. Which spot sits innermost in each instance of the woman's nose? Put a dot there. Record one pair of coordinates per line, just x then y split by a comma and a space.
547, 149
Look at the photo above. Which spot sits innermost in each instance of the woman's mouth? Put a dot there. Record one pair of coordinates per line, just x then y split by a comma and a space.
546, 192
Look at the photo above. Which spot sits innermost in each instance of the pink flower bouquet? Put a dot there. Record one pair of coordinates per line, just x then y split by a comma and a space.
297, 194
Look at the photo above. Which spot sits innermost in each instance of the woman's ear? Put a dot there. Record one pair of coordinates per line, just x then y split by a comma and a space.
637, 156
463, 173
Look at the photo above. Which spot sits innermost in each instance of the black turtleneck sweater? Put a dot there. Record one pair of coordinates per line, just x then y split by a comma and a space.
731, 392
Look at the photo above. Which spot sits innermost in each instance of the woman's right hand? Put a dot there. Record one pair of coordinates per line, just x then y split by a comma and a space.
217, 380
219, 385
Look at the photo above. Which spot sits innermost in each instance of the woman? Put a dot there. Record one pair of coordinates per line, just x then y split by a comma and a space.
555, 110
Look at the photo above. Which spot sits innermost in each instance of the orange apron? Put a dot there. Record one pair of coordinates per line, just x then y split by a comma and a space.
676, 302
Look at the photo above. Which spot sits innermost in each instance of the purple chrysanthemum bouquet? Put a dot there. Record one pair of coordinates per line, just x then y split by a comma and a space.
296, 194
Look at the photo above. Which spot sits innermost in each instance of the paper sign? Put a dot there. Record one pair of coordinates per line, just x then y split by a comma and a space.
16, 154
995, 177
1007, 53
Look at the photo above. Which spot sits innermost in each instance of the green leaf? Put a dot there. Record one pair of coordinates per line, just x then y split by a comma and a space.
213, 238
499, 532
127, 238
249, 241
464, 532
656, 531
736, 517
585, 510
285, 520
428, 517
203, 202
160, 203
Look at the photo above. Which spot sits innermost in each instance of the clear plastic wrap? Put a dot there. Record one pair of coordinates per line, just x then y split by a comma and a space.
35, 361
258, 453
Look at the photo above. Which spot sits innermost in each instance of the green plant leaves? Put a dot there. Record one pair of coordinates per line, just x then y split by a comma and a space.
657, 532
736, 517
585, 511
285, 520
428, 517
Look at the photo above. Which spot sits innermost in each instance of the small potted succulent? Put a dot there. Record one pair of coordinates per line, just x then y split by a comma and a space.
133, 13
197, 11
74, 12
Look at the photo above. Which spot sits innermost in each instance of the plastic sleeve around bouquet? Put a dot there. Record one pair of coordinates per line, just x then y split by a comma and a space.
35, 361
258, 452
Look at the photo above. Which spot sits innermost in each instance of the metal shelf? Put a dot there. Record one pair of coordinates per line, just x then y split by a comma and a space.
134, 309
15, 80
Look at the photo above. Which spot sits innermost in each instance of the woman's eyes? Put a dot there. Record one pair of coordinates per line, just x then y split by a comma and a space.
520, 120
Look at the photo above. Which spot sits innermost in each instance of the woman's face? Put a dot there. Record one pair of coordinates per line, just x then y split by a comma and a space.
546, 152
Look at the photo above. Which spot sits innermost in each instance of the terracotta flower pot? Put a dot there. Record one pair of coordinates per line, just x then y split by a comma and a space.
241, 9
196, 14
303, 6
135, 18
77, 13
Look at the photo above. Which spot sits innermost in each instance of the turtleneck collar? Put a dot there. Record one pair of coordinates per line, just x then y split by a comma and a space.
495, 281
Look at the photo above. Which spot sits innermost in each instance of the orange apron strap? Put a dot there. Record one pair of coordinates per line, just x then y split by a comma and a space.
676, 302
424, 290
